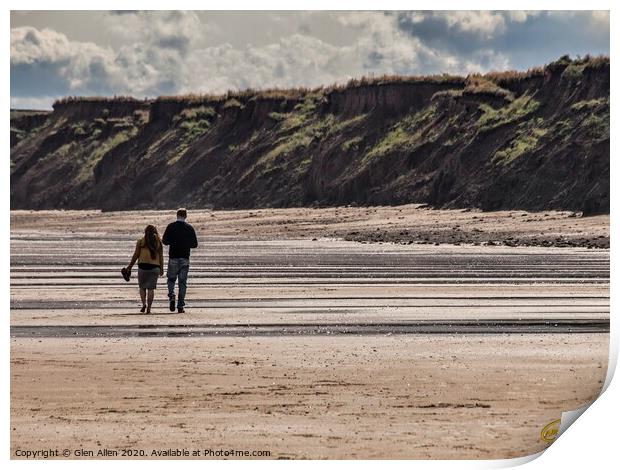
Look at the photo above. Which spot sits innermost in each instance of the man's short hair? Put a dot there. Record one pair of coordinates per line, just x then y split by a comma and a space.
182, 213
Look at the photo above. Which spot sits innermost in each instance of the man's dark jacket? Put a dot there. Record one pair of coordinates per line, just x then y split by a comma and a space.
181, 237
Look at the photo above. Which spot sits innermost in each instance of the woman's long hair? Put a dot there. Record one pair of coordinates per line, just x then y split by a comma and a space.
151, 239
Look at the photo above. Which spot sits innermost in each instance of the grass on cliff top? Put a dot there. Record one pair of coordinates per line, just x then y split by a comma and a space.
194, 113
509, 77
480, 84
573, 72
98, 99
500, 79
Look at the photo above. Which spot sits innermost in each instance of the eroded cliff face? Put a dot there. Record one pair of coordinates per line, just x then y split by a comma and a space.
535, 140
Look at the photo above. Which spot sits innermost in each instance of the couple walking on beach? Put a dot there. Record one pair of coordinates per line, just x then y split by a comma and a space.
149, 254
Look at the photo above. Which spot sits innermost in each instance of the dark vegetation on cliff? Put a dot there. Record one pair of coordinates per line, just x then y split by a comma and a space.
514, 140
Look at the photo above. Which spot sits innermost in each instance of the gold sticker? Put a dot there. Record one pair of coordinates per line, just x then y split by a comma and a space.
550, 431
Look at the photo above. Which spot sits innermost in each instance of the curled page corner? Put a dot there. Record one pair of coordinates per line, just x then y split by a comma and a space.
554, 429
569, 417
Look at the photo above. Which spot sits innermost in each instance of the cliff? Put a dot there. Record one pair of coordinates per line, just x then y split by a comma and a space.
517, 140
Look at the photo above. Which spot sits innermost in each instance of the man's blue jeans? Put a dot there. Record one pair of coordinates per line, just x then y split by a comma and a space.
178, 267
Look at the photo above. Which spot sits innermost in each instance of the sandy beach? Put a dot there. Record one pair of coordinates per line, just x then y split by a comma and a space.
412, 223
302, 343
326, 397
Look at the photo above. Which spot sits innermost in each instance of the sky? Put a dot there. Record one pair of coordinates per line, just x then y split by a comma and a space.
154, 53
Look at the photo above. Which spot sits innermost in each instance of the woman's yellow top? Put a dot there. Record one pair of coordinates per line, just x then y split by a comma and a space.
142, 254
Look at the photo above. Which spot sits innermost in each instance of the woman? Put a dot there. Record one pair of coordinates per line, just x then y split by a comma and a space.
150, 257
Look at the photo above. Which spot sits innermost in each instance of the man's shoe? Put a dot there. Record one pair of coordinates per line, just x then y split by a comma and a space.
180, 310
172, 305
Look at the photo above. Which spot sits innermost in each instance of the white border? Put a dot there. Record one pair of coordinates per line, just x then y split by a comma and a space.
590, 442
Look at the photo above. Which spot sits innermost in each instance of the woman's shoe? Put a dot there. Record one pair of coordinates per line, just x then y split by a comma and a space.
143, 309
148, 310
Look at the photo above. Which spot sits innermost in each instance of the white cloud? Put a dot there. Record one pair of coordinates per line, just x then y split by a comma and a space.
296, 60
302, 60
180, 30
30, 45
486, 23
521, 16
163, 56
383, 47
83, 65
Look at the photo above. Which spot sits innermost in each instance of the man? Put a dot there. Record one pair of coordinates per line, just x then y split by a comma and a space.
182, 238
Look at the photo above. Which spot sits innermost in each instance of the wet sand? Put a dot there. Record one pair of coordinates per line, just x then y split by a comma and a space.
299, 343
